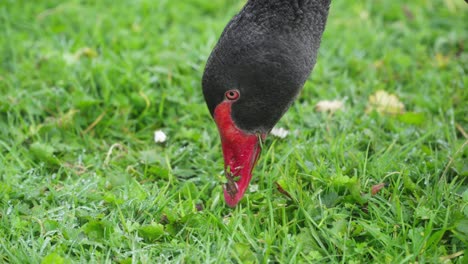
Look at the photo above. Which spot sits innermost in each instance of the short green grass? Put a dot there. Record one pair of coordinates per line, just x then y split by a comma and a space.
84, 84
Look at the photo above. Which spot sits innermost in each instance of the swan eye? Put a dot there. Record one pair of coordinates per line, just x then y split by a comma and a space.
232, 95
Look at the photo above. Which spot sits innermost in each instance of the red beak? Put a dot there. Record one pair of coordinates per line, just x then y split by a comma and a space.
241, 151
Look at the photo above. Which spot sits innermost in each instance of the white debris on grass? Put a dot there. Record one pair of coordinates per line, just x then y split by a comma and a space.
159, 136
279, 132
329, 106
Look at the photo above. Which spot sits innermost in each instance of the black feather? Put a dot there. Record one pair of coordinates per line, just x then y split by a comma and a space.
267, 51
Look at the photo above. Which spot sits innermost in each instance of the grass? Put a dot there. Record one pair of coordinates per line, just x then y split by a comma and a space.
84, 85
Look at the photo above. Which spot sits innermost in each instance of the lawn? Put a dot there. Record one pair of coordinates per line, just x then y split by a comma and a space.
85, 84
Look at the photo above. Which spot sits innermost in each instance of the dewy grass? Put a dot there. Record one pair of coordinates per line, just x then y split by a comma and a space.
84, 85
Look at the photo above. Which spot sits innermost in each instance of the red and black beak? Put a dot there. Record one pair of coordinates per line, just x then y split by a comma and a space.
241, 151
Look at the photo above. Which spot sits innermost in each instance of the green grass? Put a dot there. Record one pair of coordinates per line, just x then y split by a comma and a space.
84, 85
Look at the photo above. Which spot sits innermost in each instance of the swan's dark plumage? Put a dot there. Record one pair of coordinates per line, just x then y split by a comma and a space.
267, 52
